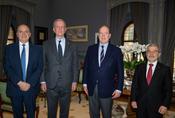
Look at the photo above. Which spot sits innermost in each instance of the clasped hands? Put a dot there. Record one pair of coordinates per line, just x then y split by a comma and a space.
24, 86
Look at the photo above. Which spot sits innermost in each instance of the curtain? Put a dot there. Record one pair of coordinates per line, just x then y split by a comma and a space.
5, 15
140, 14
118, 21
168, 42
137, 12
20, 16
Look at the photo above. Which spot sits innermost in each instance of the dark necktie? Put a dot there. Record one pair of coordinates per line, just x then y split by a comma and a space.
23, 62
102, 55
59, 50
149, 74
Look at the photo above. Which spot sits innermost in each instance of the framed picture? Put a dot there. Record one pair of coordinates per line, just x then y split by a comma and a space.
77, 33
41, 34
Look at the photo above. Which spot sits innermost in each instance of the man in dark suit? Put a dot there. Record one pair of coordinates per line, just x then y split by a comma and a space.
151, 87
60, 72
103, 62
23, 66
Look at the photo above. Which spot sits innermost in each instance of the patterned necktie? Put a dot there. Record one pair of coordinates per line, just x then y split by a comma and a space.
102, 55
23, 62
149, 74
60, 50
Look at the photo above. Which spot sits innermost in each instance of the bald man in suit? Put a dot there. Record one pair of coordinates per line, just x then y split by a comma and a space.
103, 61
23, 65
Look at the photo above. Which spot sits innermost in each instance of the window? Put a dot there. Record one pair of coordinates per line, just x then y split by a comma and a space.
129, 35
129, 38
174, 68
11, 36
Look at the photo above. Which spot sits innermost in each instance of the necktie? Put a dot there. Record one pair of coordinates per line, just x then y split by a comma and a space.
149, 74
23, 62
102, 54
59, 50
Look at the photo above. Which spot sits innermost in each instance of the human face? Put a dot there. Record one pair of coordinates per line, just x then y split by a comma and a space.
59, 28
152, 53
104, 34
23, 33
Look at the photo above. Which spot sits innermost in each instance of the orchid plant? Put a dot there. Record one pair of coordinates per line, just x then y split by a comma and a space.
133, 55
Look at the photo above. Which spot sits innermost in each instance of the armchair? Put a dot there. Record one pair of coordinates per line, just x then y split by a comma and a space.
5, 102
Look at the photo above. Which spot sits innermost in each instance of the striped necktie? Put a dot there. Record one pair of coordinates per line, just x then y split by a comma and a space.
102, 55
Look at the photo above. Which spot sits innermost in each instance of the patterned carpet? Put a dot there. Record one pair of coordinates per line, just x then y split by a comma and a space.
82, 110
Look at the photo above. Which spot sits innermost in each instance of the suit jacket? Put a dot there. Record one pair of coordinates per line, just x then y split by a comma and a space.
13, 69
59, 71
158, 92
105, 74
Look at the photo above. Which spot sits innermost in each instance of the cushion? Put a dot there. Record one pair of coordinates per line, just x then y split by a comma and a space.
3, 93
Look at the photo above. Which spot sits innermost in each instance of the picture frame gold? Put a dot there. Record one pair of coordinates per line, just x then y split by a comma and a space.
77, 33
41, 34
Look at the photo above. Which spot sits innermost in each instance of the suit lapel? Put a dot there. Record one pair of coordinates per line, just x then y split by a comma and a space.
54, 48
17, 56
30, 56
144, 74
67, 46
95, 52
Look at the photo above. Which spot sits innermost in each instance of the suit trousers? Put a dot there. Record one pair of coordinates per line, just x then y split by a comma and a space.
96, 104
145, 110
61, 96
21, 100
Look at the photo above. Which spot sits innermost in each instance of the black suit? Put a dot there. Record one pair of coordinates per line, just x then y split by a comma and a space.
150, 97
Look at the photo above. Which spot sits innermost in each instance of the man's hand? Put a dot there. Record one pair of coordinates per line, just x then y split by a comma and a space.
24, 86
116, 94
162, 110
134, 104
85, 89
74, 86
43, 87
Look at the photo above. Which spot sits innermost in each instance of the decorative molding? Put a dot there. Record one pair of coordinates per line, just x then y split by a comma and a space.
27, 5
114, 3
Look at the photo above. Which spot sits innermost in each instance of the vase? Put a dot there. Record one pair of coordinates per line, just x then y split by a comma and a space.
129, 74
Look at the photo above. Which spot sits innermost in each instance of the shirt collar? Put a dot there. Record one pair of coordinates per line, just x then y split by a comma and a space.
60, 39
105, 45
154, 63
26, 44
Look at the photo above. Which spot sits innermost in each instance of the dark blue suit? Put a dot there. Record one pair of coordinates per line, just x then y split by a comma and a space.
100, 80
105, 74
13, 70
